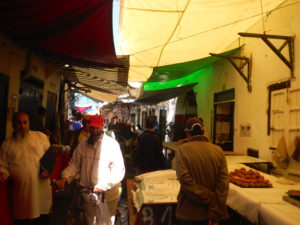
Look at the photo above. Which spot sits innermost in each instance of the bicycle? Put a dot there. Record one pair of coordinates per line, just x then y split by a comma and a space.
71, 193
79, 197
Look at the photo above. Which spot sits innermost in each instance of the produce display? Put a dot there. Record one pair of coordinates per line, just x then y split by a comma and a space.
248, 178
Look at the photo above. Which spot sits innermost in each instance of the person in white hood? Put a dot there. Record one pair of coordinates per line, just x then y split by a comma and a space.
99, 162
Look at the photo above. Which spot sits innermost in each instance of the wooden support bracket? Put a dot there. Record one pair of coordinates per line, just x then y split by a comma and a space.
73, 85
245, 61
288, 40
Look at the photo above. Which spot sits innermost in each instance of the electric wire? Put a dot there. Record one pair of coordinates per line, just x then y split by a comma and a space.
235, 24
173, 32
262, 16
216, 28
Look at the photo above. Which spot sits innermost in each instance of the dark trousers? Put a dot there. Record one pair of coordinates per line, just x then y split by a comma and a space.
189, 222
42, 220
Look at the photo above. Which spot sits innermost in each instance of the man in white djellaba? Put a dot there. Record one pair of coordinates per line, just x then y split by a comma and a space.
99, 162
20, 157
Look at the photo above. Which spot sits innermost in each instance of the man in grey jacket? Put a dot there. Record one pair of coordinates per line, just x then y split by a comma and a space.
203, 175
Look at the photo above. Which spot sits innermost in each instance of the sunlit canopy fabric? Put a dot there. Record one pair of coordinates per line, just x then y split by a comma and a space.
158, 33
99, 96
77, 32
82, 109
186, 80
174, 76
180, 70
156, 96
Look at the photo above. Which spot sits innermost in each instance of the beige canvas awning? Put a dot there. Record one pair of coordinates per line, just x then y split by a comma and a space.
105, 83
100, 96
164, 32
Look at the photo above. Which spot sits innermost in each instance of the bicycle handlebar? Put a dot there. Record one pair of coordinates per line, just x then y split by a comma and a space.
82, 189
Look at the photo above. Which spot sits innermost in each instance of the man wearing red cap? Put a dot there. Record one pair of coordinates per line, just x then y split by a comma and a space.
99, 161
202, 171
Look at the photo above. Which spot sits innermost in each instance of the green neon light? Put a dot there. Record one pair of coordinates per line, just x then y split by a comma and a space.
186, 80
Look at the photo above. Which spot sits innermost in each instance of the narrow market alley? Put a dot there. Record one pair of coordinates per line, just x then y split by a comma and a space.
180, 111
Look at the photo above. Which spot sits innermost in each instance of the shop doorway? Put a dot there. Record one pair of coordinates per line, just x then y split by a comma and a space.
132, 119
162, 123
224, 119
186, 107
3, 105
30, 98
144, 115
51, 111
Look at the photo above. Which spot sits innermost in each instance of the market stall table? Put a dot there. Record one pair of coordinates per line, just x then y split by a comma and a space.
264, 206
150, 213
172, 145
269, 215
130, 185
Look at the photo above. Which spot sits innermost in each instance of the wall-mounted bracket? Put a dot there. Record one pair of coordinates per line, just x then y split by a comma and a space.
288, 40
245, 61
73, 86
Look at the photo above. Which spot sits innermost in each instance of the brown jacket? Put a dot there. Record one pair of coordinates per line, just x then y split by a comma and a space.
203, 175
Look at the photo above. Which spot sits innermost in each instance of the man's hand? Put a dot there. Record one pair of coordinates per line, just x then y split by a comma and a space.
61, 183
97, 189
44, 175
3, 177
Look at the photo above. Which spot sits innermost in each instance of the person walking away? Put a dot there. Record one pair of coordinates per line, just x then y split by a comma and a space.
139, 129
149, 156
20, 157
202, 171
40, 125
81, 134
100, 164
205, 133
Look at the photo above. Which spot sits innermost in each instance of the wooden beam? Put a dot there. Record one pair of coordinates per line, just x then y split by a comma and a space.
289, 40
246, 61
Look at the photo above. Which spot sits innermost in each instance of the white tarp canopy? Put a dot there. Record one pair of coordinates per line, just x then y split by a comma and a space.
163, 32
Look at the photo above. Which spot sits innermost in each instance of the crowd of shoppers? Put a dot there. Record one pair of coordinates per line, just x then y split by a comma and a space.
97, 157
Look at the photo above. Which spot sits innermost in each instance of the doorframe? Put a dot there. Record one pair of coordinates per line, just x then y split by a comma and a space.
4, 79
227, 96
271, 88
